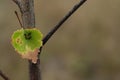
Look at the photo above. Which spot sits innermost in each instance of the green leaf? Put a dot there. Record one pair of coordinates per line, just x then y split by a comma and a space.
27, 43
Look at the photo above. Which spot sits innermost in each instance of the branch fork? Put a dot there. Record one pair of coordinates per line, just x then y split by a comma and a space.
28, 17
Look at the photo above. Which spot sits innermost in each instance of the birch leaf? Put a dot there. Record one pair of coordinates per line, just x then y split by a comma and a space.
27, 43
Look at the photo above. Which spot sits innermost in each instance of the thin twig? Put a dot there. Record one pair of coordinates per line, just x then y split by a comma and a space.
48, 36
3, 76
19, 19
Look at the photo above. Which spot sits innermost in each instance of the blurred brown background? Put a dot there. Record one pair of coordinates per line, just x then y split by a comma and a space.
86, 47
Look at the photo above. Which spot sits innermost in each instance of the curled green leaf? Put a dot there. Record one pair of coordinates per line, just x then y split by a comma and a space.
27, 43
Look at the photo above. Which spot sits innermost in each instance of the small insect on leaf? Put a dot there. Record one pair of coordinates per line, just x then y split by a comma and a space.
27, 43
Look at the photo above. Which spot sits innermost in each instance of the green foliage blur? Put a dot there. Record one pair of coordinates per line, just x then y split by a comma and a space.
86, 47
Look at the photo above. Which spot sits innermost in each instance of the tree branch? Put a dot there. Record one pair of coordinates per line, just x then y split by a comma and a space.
56, 27
28, 17
3, 76
27, 13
